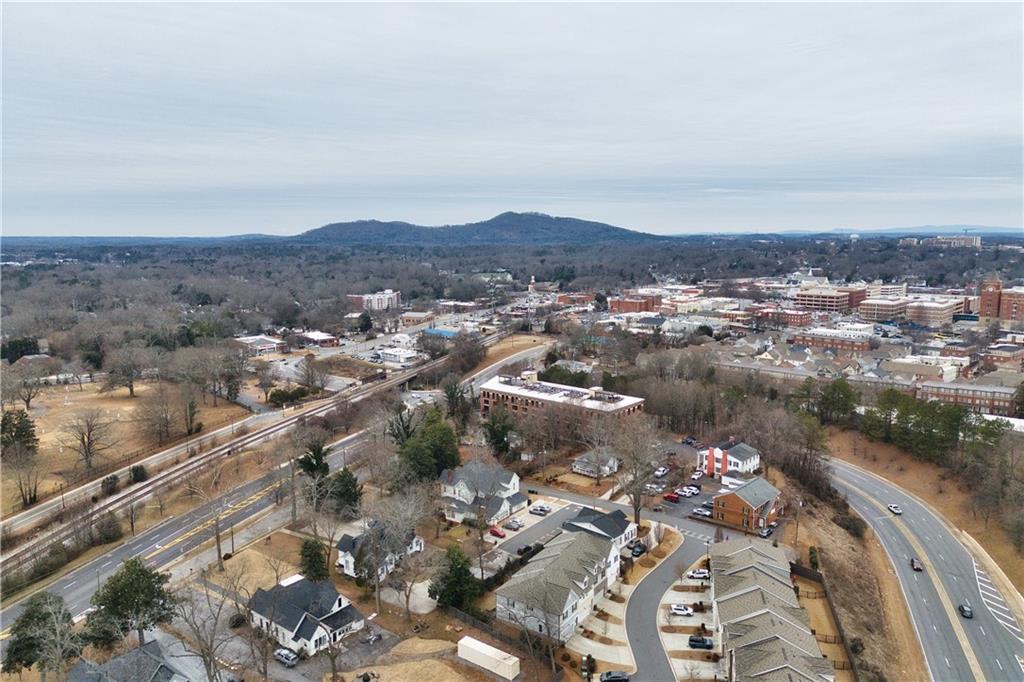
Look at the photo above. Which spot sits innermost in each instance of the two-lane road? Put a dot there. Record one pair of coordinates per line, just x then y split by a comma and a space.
989, 646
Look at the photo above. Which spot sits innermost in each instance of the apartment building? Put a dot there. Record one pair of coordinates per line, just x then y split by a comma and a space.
1004, 356
996, 400
525, 394
882, 290
728, 456
935, 312
379, 301
882, 308
823, 299
750, 507
958, 242
783, 317
835, 339
1011, 304
995, 302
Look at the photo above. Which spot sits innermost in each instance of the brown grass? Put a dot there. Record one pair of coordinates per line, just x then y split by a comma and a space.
822, 623
929, 482
508, 347
61, 466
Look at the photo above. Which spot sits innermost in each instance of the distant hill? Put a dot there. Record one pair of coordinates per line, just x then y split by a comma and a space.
508, 228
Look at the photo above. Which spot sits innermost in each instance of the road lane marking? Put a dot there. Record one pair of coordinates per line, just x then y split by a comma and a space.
982, 628
944, 598
999, 664
68, 586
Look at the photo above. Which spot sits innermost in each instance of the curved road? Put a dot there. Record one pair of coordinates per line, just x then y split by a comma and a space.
988, 647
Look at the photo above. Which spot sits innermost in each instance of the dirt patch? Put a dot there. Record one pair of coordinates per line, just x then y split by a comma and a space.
508, 347
350, 368
681, 629
416, 671
61, 466
864, 586
416, 646
930, 483
618, 598
607, 617
691, 655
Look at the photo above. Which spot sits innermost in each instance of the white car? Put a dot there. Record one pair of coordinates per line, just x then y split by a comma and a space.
699, 574
701, 511
661, 472
286, 657
680, 610
895, 509
697, 475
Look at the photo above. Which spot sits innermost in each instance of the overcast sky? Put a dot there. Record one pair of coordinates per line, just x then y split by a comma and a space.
190, 119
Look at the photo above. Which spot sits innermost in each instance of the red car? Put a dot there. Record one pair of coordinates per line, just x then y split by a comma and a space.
497, 532
670, 497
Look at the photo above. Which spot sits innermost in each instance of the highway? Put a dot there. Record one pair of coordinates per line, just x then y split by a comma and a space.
177, 536
988, 647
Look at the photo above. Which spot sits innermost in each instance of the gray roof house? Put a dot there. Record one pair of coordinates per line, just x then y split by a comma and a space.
349, 547
614, 526
304, 615
557, 589
728, 456
480, 485
146, 663
596, 463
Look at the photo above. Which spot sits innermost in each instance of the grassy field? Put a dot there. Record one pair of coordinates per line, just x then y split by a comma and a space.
509, 346
60, 465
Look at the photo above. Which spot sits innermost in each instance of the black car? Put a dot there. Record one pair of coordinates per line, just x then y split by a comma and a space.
698, 642
638, 550
689, 440
707, 504
965, 611
614, 676
916, 564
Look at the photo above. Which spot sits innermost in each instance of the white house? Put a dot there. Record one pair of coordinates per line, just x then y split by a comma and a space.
613, 526
557, 589
729, 455
476, 486
597, 463
349, 553
303, 615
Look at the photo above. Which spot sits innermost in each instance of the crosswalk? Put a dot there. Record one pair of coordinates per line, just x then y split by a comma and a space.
995, 603
695, 535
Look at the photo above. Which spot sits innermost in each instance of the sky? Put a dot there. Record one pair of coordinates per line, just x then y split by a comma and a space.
165, 119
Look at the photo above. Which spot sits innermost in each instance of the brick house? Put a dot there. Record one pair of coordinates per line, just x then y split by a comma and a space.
728, 456
750, 507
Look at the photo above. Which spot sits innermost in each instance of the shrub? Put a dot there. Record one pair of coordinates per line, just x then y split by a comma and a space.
108, 486
812, 552
566, 658
572, 664
197, 428
138, 473
236, 620
856, 645
108, 529
854, 525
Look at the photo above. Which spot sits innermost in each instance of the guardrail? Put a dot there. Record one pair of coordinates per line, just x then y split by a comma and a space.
28, 552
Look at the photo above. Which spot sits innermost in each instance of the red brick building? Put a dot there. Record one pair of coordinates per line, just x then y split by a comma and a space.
634, 304
836, 339
575, 298
750, 507
991, 292
996, 400
1003, 356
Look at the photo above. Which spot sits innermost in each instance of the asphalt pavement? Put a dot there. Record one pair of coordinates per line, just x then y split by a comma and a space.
989, 646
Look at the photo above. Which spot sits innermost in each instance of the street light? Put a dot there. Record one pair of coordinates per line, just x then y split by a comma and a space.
707, 544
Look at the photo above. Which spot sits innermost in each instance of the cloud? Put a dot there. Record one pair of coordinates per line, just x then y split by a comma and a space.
170, 118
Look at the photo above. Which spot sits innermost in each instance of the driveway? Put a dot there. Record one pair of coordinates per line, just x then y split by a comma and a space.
536, 529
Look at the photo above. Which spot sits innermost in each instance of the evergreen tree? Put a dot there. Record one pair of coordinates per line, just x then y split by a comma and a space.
497, 428
43, 635
345, 492
455, 585
432, 449
313, 561
134, 598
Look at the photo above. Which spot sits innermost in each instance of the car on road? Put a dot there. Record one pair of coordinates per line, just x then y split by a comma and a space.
496, 532
701, 511
661, 472
698, 642
681, 610
614, 676
916, 564
513, 524
671, 497
697, 475
895, 509
639, 549
286, 657
965, 610
699, 574
765, 532
540, 509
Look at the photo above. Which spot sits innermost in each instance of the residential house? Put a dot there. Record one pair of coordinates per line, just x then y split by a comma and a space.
751, 506
557, 589
614, 526
349, 548
480, 486
303, 615
596, 463
730, 455
146, 663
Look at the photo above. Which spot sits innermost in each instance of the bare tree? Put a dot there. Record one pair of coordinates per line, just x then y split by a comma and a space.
389, 525
206, 489
413, 569
203, 611
313, 374
127, 365
156, 415
89, 433
635, 444
266, 377
25, 381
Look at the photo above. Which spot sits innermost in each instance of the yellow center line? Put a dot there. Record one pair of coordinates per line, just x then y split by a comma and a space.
947, 603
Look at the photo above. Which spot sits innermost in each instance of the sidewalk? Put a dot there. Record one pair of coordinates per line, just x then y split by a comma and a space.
608, 642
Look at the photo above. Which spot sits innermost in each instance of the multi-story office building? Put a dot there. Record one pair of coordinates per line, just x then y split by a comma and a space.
381, 300
526, 395
878, 309
824, 299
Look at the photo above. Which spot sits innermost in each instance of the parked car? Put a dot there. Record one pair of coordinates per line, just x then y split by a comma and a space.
638, 550
697, 475
965, 611
686, 492
708, 504
661, 472
496, 532
694, 486
286, 657
701, 511
689, 440
699, 574
614, 676
540, 509
916, 564
671, 497
895, 509
765, 532
513, 524
681, 610
698, 642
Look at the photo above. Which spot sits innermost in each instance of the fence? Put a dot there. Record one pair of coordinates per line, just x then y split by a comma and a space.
506, 638
811, 574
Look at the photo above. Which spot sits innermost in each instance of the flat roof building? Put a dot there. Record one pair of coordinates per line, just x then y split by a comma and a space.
525, 394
